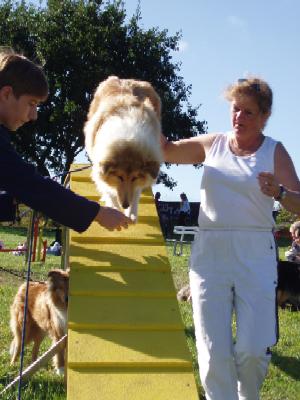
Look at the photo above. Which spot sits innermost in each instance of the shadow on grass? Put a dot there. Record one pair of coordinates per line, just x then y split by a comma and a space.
36, 388
190, 332
289, 365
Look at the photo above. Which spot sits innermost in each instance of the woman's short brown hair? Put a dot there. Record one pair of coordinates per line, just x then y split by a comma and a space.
23, 75
256, 88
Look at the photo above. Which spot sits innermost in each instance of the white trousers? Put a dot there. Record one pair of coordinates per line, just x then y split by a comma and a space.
234, 271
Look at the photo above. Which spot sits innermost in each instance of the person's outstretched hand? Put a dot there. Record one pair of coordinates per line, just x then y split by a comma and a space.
111, 219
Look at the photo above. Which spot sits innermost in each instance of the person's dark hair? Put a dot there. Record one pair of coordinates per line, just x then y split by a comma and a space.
254, 87
23, 75
183, 196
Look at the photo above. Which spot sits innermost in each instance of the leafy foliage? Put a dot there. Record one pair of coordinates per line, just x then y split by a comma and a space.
285, 217
80, 43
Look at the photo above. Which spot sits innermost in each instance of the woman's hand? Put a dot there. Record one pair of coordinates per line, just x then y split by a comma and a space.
268, 184
270, 187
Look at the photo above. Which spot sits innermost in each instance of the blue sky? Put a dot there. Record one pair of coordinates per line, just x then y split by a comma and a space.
221, 42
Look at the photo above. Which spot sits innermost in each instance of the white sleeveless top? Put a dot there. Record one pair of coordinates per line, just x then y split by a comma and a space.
230, 194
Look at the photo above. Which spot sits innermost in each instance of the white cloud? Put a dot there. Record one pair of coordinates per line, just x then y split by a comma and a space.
182, 46
236, 21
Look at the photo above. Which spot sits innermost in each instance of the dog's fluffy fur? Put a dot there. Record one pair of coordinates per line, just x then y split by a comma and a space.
46, 315
122, 139
184, 294
288, 289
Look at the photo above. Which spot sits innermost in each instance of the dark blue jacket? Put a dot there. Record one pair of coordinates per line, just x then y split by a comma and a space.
19, 180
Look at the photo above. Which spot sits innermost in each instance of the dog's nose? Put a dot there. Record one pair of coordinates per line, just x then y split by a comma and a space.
125, 204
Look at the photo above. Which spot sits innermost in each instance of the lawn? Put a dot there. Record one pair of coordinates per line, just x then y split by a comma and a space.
283, 380
45, 384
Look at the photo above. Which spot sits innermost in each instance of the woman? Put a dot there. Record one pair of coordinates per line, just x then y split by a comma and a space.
244, 171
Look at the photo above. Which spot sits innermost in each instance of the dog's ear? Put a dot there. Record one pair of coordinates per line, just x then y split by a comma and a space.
145, 92
53, 276
106, 167
113, 79
103, 89
151, 168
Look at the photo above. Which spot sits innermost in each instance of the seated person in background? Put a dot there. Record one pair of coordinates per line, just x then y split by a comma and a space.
21, 249
184, 210
293, 254
55, 249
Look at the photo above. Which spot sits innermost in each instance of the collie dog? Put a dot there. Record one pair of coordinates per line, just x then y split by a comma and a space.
46, 315
288, 290
122, 139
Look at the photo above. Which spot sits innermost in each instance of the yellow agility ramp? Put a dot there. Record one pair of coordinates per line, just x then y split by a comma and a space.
126, 338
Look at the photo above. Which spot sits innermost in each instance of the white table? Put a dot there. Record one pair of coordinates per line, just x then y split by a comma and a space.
182, 231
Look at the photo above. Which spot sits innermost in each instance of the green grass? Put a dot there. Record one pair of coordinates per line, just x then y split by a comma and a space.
44, 384
282, 382
283, 379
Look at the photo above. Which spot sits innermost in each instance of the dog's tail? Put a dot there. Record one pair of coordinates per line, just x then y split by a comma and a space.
15, 346
15, 349
12, 348
16, 323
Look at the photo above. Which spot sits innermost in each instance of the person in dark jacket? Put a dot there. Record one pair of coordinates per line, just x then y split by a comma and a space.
23, 86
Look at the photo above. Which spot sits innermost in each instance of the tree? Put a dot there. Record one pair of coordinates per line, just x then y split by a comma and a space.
285, 217
80, 43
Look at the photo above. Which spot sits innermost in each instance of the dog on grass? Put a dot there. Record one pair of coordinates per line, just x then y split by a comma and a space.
46, 315
288, 289
288, 286
122, 139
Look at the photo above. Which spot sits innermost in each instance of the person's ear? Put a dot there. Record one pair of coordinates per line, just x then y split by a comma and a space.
5, 92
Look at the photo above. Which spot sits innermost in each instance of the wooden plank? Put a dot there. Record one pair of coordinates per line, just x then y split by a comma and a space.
140, 384
146, 228
104, 283
120, 256
126, 337
86, 189
119, 348
123, 312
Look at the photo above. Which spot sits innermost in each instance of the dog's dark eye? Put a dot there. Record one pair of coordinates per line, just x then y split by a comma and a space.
121, 178
134, 179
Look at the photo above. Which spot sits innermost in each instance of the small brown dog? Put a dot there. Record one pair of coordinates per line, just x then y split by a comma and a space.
46, 315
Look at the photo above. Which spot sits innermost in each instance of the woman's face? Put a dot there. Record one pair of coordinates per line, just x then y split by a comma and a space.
246, 118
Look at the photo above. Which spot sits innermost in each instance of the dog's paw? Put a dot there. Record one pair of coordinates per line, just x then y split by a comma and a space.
133, 218
60, 371
131, 215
